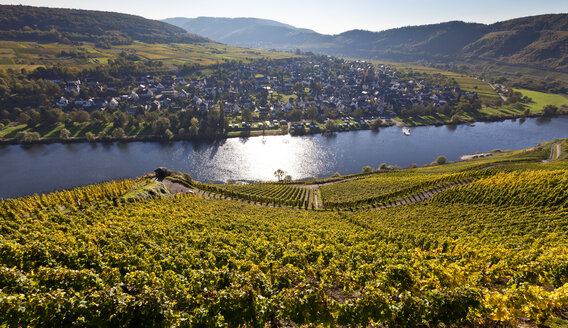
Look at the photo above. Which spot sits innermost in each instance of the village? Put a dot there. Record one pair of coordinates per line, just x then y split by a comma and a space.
315, 88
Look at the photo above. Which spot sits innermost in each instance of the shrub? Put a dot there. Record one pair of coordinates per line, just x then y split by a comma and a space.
90, 136
367, 169
440, 160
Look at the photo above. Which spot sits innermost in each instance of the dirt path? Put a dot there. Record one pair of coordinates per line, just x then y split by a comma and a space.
555, 151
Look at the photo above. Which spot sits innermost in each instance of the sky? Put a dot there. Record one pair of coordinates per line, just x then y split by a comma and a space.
325, 16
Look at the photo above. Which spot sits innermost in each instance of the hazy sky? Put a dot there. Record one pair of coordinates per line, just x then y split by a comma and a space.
325, 16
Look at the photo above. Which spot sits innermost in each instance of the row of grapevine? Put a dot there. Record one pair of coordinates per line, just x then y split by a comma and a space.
521, 188
399, 190
197, 262
265, 193
66, 199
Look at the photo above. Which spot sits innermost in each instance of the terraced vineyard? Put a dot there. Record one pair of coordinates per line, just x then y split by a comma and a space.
275, 194
522, 188
477, 255
388, 187
199, 262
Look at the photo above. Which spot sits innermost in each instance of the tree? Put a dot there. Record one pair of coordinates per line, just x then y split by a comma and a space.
367, 169
549, 110
330, 125
312, 113
161, 125
383, 166
440, 160
295, 115
194, 128
287, 178
168, 134
247, 115
118, 133
90, 136
358, 112
23, 118
279, 174
64, 134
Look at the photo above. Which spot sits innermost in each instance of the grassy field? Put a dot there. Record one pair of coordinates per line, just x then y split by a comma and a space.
29, 55
468, 83
541, 99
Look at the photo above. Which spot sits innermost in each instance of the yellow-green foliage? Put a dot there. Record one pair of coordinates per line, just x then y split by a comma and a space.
271, 193
197, 262
146, 190
65, 200
521, 188
30, 55
541, 99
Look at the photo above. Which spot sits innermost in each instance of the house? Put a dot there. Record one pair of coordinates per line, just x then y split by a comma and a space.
146, 93
113, 103
183, 94
62, 102
134, 96
88, 103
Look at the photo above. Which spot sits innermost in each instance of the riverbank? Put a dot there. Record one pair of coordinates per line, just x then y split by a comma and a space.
47, 167
397, 121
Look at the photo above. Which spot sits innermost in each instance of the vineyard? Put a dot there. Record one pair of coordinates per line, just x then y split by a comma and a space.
490, 253
520, 188
388, 187
273, 194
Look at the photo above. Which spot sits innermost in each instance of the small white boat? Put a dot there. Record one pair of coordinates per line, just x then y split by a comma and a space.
406, 131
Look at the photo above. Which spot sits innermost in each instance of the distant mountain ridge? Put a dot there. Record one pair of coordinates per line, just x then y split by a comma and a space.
533, 41
248, 32
41, 24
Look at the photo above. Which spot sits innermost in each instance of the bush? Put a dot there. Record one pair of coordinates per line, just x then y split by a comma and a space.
118, 133
549, 110
27, 137
367, 169
440, 160
64, 134
383, 166
90, 136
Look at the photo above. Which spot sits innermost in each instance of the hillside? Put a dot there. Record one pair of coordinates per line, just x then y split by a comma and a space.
130, 253
537, 41
249, 32
38, 24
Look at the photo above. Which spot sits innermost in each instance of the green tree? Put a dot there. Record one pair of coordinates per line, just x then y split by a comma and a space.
549, 110
367, 169
118, 133
312, 113
23, 118
246, 115
161, 125
440, 160
90, 136
330, 126
64, 133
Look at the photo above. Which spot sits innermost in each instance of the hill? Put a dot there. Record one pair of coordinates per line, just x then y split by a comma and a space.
32, 37
38, 24
537, 41
130, 253
249, 32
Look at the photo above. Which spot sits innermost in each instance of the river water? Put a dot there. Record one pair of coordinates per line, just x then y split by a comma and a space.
44, 168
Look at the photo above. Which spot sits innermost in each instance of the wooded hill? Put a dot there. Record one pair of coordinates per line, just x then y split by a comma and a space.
536, 41
38, 24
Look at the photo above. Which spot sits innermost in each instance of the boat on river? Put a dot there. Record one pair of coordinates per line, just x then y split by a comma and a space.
406, 131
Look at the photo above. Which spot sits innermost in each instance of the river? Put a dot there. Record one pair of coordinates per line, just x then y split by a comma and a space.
44, 168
